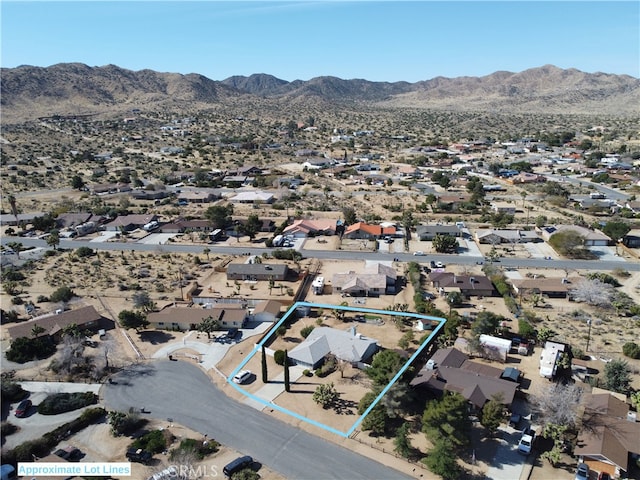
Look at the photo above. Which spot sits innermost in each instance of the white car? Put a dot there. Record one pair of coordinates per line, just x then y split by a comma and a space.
526, 442
419, 253
242, 376
439, 265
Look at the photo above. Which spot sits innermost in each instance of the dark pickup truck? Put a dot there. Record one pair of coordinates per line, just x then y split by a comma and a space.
139, 455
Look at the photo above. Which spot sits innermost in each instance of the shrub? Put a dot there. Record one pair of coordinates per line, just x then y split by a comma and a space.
25, 349
12, 391
631, 350
525, 329
306, 331
7, 428
278, 357
17, 300
62, 294
66, 402
84, 252
307, 373
125, 423
155, 441
42, 299
195, 447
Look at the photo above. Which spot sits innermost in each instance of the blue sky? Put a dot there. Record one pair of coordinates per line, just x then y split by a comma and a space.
378, 41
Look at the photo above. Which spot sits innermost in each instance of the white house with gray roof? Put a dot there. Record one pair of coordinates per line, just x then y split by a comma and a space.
348, 346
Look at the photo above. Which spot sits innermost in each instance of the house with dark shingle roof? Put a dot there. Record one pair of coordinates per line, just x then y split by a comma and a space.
450, 370
257, 271
467, 285
609, 435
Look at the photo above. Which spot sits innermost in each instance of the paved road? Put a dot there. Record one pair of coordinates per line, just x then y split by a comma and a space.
451, 259
181, 391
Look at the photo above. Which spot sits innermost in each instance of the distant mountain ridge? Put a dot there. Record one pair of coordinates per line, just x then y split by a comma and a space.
29, 92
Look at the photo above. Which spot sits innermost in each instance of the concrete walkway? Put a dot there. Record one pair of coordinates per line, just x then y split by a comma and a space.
271, 390
60, 387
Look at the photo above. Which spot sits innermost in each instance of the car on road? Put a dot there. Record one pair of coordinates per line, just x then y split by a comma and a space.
69, 453
242, 376
23, 408
583, 472
419, 253
526, 441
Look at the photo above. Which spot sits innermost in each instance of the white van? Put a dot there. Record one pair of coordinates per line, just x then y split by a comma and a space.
242, 376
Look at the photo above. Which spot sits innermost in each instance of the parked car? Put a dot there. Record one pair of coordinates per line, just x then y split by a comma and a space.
514, 420
139, 455
526, 441
242, 376
232, 333
583, 472
238, 464
69, 453
604, 476
23, 408
432, 264
439, 265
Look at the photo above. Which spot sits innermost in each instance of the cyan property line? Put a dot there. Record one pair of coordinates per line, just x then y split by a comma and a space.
292, 309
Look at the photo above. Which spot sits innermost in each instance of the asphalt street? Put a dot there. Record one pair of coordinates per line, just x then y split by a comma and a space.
182, 392
447, 259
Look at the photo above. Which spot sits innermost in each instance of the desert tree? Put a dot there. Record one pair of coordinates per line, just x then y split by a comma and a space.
594, 292
142, 300
208, 325
325, 395
559, 404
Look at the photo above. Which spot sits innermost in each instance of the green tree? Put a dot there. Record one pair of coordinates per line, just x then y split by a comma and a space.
569, 243
486, 323
325, 394
287, 380
208, 325
306, 331
265, 375
349, 214
445, 243
76, 182
62, 294
142, 300
377, 418
447, 419
131, 319
53, 240
219, 215
442, 460
617, 376
252, 226
631, 350
402, 442
492, 414
37, 330
384, 366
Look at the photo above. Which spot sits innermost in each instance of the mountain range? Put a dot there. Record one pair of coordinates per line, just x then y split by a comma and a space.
29, 92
